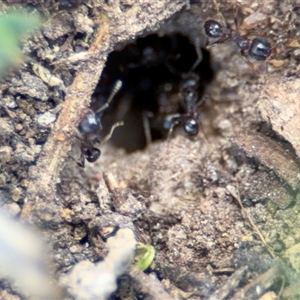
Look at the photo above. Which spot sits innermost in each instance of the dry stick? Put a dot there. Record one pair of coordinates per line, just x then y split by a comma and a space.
291, 291
44, 176
230, 284
258, 286
270, 273
149, 285
234, 193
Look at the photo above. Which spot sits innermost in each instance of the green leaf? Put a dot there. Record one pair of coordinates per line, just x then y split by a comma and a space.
144, 256
13, 27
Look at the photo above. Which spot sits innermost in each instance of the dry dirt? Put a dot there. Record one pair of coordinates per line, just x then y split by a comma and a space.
221, 210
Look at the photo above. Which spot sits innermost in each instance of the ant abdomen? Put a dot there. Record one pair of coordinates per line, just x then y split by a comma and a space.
92, 154
189, 89
260, 49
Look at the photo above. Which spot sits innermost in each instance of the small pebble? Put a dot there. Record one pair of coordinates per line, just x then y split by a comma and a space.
5, 153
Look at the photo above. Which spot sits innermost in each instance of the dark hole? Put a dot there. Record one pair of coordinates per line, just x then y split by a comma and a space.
150, 70
84, 240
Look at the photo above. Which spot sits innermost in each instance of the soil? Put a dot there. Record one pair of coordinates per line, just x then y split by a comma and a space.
220, 209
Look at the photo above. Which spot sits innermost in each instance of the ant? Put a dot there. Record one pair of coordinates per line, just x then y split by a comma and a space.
188, 95
89, 127
258, 48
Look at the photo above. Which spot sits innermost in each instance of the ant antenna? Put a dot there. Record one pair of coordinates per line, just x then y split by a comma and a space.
90, 124
109, 135
219, 11
220, 14
115, 89
235, 16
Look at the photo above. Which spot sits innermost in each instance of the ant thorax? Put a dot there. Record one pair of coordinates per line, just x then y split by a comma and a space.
189, 90
242, 42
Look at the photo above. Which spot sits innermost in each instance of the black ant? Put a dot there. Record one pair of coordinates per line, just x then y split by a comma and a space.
89, 127
188, 95
258, 48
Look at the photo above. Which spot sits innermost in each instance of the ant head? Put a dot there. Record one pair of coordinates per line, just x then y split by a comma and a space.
260, 49
191, 126
213, 29
89, 124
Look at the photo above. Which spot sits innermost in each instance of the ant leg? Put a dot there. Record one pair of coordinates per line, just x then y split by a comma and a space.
171, 122
237, 5
204, 135
249, 63
111, 132
273, 50
207, 42
203, 99
81, 162
219, 41
219, 11
199, 58
84, 146
146, 124
87, 152
116, 88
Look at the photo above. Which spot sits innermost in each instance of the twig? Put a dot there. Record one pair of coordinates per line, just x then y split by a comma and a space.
231, 283
235, 193
44, 175
149, 285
